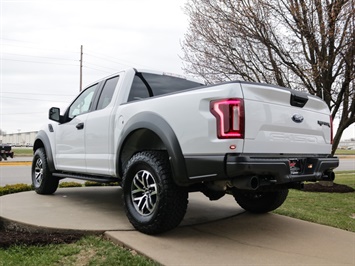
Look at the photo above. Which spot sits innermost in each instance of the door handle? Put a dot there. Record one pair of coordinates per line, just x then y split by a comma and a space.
80, 126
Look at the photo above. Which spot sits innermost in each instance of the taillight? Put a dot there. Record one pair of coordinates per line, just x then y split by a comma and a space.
331, 129
230, 118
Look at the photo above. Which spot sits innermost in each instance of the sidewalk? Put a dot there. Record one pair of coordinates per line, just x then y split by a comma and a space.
246, 240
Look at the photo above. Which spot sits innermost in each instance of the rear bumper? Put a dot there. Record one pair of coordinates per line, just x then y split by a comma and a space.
234, 166
311, 169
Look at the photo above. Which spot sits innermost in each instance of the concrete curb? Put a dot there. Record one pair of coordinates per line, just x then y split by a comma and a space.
9, 163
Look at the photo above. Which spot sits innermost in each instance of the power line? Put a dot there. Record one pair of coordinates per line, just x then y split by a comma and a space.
119, 61
36, 56
91, 53
36, 62
85, 66
12, 40
25, 113
115, 69
28, 99
39, 48
36, 93
109, 60
97, 69
71, 60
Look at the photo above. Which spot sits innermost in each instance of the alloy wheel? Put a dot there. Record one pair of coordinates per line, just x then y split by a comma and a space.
144, 193
38, 172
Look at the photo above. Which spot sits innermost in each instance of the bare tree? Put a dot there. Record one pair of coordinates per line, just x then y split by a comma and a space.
301, 44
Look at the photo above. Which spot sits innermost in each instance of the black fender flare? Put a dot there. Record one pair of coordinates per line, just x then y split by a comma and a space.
42, 137
158, 125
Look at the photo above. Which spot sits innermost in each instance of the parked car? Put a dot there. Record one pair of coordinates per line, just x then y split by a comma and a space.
5, 152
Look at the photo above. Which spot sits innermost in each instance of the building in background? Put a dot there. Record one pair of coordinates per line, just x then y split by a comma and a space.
347, 144
21, 139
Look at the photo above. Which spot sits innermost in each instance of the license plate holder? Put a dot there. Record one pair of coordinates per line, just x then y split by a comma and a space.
295, 166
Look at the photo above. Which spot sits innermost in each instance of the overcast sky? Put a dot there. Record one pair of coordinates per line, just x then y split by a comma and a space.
40, 50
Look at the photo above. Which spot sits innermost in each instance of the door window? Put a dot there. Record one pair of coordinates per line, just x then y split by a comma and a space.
83, 103
107, 93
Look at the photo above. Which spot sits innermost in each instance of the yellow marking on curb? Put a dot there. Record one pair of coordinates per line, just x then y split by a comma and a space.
346, 156
8, 163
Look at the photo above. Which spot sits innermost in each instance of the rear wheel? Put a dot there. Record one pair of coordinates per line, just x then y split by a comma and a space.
153, 202
260, 202
42, 179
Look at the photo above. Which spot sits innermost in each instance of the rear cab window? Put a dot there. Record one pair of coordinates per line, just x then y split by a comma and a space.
147, 85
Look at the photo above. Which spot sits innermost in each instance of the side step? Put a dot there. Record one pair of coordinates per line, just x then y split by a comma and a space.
100, 179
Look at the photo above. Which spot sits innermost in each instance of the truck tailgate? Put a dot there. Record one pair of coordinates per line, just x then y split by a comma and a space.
282, 121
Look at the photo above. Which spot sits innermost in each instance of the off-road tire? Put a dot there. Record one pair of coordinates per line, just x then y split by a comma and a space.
153, 202
42, 179
260, 202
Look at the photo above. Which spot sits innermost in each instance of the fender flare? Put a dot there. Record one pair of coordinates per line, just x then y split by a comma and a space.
42, 137
158, 125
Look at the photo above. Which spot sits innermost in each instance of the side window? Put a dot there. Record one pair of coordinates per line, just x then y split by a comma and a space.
138, 90
83, 103
107, 93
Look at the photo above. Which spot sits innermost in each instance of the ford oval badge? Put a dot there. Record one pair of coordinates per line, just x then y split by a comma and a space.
297, 118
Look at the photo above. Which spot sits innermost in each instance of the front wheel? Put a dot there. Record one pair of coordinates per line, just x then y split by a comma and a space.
42, 179
260, 202
153, 202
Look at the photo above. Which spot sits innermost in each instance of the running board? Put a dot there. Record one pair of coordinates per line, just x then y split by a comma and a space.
103, 179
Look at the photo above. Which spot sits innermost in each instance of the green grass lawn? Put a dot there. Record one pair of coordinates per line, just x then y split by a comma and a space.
345, 152
90, 250
333, 209
22, 151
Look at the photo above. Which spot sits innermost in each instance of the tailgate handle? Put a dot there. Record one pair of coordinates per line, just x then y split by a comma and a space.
298, 100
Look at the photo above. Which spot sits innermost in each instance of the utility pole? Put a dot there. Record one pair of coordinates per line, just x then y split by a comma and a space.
81, 67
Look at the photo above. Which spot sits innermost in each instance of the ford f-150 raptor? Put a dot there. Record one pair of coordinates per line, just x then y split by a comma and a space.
162, 136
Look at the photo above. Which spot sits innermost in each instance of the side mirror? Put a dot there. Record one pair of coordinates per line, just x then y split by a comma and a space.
54, 114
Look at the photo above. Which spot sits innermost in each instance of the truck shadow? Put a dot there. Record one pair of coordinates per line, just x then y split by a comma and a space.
98, 209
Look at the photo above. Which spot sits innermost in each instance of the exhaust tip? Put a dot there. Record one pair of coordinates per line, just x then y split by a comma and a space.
328, 176
254, 182
246, 183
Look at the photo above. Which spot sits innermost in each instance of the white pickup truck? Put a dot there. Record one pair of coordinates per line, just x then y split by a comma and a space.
162, 136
